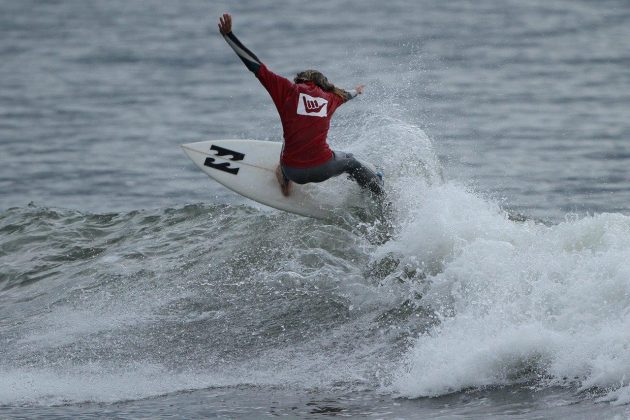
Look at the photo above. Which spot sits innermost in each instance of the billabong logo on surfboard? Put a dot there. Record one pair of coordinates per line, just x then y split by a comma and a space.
312, 107
224, 166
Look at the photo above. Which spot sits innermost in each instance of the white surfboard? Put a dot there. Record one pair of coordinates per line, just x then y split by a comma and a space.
248, 168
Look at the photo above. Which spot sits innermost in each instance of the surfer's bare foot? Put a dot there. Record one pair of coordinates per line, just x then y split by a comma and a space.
285, 184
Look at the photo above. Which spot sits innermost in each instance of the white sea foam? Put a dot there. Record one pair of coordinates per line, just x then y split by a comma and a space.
516, 301
95, 382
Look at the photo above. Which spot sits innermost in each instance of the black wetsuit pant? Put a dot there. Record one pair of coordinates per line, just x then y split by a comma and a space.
340, 163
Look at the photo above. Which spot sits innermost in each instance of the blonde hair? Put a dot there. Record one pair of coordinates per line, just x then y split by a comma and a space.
320, 80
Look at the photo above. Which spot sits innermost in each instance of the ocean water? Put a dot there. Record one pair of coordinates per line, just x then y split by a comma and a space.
132, 286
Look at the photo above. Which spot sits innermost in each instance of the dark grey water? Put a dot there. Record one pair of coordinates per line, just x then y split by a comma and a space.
132, 286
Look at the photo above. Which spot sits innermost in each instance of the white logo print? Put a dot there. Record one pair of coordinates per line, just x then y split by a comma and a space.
313, 107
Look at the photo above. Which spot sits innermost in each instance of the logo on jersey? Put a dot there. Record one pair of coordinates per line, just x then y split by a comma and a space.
313, 107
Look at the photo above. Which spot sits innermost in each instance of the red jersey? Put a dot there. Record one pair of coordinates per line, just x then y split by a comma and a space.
305, 111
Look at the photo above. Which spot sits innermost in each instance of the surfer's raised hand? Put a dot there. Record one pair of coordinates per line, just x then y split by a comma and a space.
359, 89
252, 62
225, 24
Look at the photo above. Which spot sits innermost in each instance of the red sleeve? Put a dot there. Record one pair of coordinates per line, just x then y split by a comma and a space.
334, 101
338, 100
277, 86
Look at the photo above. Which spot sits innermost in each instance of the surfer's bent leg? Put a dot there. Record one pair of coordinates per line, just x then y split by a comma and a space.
341, 163
363, 175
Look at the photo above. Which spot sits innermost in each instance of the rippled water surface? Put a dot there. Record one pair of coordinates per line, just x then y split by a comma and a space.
133, 286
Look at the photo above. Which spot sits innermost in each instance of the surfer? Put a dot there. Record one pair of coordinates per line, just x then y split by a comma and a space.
306, 106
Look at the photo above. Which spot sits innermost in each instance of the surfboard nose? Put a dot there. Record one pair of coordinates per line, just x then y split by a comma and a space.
199, 147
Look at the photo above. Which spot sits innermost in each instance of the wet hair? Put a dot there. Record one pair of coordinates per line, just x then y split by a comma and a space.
320, 80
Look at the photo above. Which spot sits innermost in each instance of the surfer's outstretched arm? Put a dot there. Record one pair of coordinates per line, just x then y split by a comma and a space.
353, 93
252, 62
276, 85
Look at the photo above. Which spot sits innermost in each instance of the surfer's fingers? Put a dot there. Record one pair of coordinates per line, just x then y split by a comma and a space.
225, 23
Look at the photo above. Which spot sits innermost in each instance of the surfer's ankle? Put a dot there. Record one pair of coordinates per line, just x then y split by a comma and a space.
285, 184
286, 189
